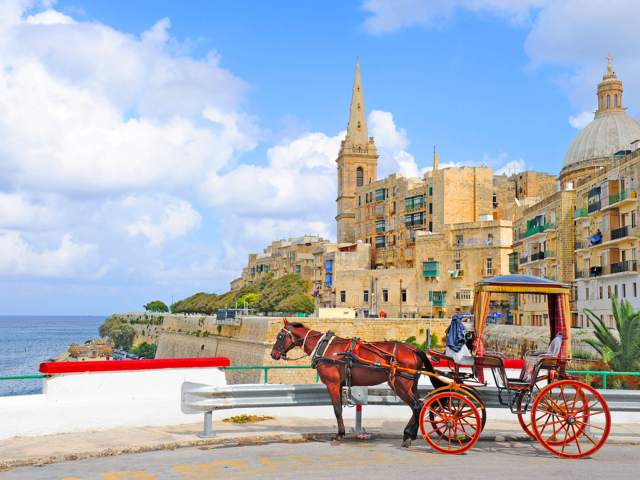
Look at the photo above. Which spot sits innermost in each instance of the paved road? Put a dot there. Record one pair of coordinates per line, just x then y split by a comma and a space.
351, 460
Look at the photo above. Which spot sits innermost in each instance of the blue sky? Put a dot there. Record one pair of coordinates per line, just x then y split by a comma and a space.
149, 146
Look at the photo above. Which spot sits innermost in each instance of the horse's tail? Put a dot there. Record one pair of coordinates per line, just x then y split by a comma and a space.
435, 381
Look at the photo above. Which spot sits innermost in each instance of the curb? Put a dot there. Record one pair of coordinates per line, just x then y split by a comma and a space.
252, 440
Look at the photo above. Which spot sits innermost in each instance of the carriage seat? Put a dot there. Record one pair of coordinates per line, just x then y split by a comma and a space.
532, 358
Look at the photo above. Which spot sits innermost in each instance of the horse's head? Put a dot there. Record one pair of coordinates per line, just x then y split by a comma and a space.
286, 340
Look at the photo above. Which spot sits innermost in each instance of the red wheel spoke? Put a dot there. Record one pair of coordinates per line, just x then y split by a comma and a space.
575, 437
589, 425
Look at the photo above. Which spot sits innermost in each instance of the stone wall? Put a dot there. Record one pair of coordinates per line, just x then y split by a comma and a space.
251, 342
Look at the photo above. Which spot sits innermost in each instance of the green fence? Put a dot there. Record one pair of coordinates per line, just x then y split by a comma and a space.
265, 368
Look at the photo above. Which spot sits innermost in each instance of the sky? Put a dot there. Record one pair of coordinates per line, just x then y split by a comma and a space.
147, 147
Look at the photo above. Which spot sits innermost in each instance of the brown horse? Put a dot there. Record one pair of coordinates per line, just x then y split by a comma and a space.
333, 371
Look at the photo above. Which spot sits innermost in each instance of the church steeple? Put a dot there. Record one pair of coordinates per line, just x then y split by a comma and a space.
435, 158
357, 133
357, 164
609, 91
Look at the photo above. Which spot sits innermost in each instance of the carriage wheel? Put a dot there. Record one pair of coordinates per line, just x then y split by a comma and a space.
570, 419
455, 425
524, 418
473, 395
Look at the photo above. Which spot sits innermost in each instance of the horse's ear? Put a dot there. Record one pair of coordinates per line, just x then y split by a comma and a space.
286, 322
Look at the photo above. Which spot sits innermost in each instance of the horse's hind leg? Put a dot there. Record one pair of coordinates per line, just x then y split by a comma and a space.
335, 392
407, 390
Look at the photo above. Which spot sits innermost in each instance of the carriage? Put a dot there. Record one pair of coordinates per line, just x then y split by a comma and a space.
567, 417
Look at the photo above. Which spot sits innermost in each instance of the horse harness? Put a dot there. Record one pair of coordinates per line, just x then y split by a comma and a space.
350, 357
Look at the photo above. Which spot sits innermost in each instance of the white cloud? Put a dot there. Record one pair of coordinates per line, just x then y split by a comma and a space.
581, 120
298, 179
392, 143
172, 220
16, 211
18, 257
511, 168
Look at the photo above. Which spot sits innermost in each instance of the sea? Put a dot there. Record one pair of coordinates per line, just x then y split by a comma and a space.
27, 341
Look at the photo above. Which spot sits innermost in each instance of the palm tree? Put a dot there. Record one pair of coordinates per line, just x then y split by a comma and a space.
621, 352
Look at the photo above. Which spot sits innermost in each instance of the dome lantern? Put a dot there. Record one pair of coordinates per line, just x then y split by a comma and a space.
609, 91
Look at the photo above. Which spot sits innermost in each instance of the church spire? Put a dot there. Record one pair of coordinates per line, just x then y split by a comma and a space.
609, 91
357, 133
435, 158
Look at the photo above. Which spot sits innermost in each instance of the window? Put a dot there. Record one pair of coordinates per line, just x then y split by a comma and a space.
359, 177
624, 290
381, 241
495, 200
365, 296
615, 290
608, 101
489, 266
430, 190
380, 226
431, 226
586, 293
457, 264
403, 293
381, 194
635, 289
430, 208
413, 219
411, 203
464, 294
385, 295
608, 291
359, 200
459, 241
328, 280
600, 293
615, 100
298, 268
343, 296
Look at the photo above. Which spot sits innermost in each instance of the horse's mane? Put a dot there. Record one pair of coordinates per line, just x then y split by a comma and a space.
297, 325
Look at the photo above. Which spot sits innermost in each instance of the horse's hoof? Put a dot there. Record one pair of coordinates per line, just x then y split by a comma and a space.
337, 440
406, 443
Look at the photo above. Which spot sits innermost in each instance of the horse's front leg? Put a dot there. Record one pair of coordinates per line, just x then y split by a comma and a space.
335, 392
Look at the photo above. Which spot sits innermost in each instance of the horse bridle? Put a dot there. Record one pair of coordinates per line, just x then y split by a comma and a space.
285, 331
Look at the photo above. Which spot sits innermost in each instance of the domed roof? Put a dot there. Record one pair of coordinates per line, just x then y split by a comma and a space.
607, 134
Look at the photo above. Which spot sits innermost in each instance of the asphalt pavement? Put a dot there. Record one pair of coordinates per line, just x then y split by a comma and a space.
353, 459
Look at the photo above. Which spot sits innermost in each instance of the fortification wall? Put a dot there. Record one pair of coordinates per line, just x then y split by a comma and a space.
251, 343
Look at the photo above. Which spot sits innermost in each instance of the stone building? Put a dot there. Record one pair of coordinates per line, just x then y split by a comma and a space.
607, 239
543, 247
282, 257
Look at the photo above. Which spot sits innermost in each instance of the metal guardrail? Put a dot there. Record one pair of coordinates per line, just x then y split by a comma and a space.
201, 398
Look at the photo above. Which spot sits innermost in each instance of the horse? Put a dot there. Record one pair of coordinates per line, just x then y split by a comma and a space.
333, 370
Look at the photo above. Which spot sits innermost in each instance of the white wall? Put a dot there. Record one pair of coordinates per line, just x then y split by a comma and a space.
602, 306
98, 400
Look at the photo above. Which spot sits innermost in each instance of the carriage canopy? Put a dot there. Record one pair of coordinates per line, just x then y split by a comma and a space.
557, 299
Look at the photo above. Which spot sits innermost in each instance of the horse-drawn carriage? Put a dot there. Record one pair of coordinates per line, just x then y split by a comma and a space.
569, 418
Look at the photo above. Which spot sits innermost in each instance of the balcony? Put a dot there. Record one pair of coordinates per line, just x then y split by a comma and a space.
620, 233
457, 273
580, 213
549, 254
582, 274
618, 197
578, 244
380, 228
535, 230
594, 207
595, 271
524, 260
627, 266
537, 256
438, 299
431, 269
513, 262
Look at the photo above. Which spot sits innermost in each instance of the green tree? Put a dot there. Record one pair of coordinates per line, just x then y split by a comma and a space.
109, 324
248, 299
278, 290
156, 306
145, 350
123, 336
298, 303
622, 352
